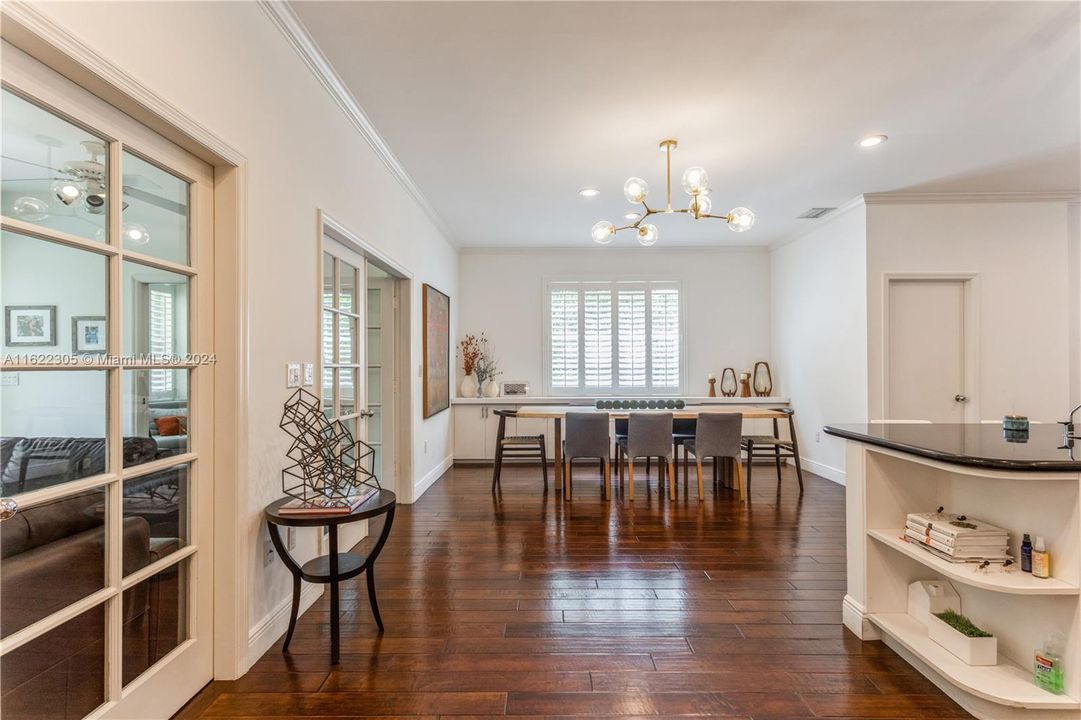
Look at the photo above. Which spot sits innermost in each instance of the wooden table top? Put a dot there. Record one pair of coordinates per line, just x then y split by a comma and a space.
749, 412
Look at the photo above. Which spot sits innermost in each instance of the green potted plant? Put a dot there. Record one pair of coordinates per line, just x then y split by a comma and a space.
963, 638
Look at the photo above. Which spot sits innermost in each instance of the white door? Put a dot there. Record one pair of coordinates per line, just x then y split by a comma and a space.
925, 364
106, 408
380, 414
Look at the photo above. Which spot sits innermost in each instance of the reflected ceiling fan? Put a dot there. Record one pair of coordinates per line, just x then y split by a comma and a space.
84, 181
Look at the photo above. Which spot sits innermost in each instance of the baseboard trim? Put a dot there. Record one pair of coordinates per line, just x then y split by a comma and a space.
434, 474
823, 470
267, 631
854, 617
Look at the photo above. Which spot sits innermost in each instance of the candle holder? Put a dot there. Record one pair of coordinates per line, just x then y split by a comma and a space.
744, 384
729, 386
763, 379
713, 387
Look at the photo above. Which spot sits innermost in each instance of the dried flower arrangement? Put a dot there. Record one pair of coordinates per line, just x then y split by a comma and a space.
472, 350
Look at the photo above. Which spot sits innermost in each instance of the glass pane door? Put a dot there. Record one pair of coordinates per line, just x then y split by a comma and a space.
104, 437
381, 318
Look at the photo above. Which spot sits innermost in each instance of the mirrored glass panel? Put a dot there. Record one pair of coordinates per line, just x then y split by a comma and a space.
347, 339
156, 619
51, 555
54, 298
59, 675
155, 313
347, 388
54, 174
52, 429
155, 216
347, 287
156, 407
157, 503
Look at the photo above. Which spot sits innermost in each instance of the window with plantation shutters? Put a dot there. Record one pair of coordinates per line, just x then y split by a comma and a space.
162, 321
613, 338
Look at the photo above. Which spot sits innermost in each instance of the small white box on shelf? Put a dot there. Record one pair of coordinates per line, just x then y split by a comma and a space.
927, 597
972, 650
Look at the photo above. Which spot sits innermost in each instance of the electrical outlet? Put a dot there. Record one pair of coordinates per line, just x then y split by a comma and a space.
309, 374
268, 549
818, 436
9, 379
292, 375
291, 538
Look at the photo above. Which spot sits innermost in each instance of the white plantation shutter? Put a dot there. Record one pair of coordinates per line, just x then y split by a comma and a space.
597, 338
632, 338
664, 337
564, 338
614, 338
161, 340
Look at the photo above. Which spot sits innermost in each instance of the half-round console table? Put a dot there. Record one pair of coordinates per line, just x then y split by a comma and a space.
335, 567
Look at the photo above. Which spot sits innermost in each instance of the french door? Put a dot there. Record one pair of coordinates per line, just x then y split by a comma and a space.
106, 410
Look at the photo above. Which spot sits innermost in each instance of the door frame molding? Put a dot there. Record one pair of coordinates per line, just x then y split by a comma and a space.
970, 285
29, 30
327, 225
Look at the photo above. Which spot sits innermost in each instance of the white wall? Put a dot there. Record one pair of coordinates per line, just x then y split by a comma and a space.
1020, 252
819, 330
725, 298
227, 66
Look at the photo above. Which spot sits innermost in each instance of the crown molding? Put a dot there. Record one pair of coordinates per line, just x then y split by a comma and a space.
842, 210
901, 198
33, 32
283, 17
608, 251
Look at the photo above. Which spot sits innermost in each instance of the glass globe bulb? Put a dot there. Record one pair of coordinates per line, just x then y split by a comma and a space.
603, 232
740, 219
695, 180
66, 191
647, 235
30, 208
135, 234
700, 205
635, 190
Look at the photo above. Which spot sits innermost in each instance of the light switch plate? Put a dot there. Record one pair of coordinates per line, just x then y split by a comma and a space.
309, 374
292, 375
9, 379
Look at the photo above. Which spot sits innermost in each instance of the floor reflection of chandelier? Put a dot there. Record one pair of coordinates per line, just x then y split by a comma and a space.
695, 182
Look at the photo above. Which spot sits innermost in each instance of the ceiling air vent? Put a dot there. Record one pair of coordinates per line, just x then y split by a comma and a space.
815, 213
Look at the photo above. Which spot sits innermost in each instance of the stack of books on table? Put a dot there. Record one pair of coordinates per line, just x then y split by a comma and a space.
323, 505
958, 538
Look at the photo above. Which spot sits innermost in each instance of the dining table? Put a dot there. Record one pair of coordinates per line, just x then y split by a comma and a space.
556, 413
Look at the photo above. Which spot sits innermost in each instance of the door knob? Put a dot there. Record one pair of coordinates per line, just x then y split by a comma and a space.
960, 398
366, 413
8, 508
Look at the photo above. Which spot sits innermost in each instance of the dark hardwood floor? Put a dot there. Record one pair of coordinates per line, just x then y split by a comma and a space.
528, 606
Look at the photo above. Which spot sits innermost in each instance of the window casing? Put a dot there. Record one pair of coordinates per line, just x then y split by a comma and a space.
613, 337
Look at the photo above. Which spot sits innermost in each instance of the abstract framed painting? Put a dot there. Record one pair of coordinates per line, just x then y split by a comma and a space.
436, 322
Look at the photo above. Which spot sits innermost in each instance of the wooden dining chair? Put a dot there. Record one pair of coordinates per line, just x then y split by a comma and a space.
718, 436
774, 447
517, 446
649, 435
587, 437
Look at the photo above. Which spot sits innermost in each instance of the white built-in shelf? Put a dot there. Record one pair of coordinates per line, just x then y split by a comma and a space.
1005, 683
994, 579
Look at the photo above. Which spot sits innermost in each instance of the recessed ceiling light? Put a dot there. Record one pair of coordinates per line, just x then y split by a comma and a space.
872, 140
632, 216
589, 192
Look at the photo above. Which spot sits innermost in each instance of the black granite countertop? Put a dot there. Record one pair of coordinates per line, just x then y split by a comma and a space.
977, 445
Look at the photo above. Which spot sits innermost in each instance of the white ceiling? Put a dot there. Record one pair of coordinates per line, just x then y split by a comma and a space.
501, 111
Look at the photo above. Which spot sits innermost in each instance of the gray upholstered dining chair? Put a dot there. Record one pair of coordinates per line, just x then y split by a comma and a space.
587, 437
717, 436
649, 435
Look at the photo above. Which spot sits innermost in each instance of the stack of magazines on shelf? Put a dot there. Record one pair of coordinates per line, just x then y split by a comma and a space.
325, 505
958, 538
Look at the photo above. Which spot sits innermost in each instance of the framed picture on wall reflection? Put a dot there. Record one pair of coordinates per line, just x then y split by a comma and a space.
88, 334
29, 325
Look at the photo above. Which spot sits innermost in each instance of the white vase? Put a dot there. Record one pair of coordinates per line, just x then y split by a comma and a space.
491, 390
468, 388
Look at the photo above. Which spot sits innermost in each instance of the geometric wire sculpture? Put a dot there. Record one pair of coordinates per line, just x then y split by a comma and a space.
328, 464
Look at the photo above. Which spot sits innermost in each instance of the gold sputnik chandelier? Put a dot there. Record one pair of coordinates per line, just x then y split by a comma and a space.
695, 182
